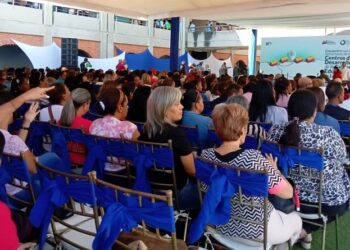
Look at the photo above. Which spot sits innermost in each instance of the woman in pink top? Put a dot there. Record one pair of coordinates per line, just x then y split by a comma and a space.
115, 108
72, 116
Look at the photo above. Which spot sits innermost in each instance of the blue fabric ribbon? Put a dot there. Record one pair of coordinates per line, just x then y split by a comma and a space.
35, 139
216, 207
95, 160
344, 128
115, 219
54, 194
144, 158
251, 142
289, 157
4, 179
12, 167
59, 146
99, 149
126, 213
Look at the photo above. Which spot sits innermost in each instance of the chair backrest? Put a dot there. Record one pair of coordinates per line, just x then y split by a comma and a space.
74, 195
251, 142
265, 125
139, 125
154, 167
192, 135
213, 139
208, 108
39, 135
304, 166
92, 116
224, 186
15, 126
344, 128
108, 152
124, 209
66, 141
14, 171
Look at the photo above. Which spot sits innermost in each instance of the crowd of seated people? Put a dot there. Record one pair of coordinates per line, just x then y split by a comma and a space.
164, 100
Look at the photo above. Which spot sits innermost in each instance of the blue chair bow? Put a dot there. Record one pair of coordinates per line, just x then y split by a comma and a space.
144, 157
56, 193
38, 130
95, 160
4, 179
125, 214
289, 157
12, 167
222, 182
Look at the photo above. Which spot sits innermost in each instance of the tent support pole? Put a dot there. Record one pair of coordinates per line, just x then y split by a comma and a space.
174, 43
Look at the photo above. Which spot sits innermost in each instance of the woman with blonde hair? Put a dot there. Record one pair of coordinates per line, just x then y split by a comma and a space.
146, 79
164, 109
230, 122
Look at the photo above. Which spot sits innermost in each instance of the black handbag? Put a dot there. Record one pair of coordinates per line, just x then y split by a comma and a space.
285, 205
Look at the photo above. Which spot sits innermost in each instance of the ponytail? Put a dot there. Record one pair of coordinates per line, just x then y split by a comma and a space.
291, 134
79, 96
68, 113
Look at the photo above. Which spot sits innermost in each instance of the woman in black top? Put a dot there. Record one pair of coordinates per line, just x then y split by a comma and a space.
163, 111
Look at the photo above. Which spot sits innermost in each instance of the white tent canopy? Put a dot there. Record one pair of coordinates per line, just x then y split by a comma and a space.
50, 56
103, 63
247, 13
41, 57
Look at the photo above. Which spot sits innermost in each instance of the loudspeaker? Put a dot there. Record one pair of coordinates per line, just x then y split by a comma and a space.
69, 52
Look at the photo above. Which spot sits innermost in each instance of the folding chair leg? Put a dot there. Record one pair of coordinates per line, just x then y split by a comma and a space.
186, 226
324, 235
336, 232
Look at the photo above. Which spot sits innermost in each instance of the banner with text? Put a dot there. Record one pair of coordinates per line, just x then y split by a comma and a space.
305, 55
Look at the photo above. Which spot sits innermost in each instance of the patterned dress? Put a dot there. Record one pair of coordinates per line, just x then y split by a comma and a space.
336, 186
250, 159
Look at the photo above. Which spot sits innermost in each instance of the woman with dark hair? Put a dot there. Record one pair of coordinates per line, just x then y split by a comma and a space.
302, 131
57, 98
263, 105
113, 125
194, 106
115, 109
283, 89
